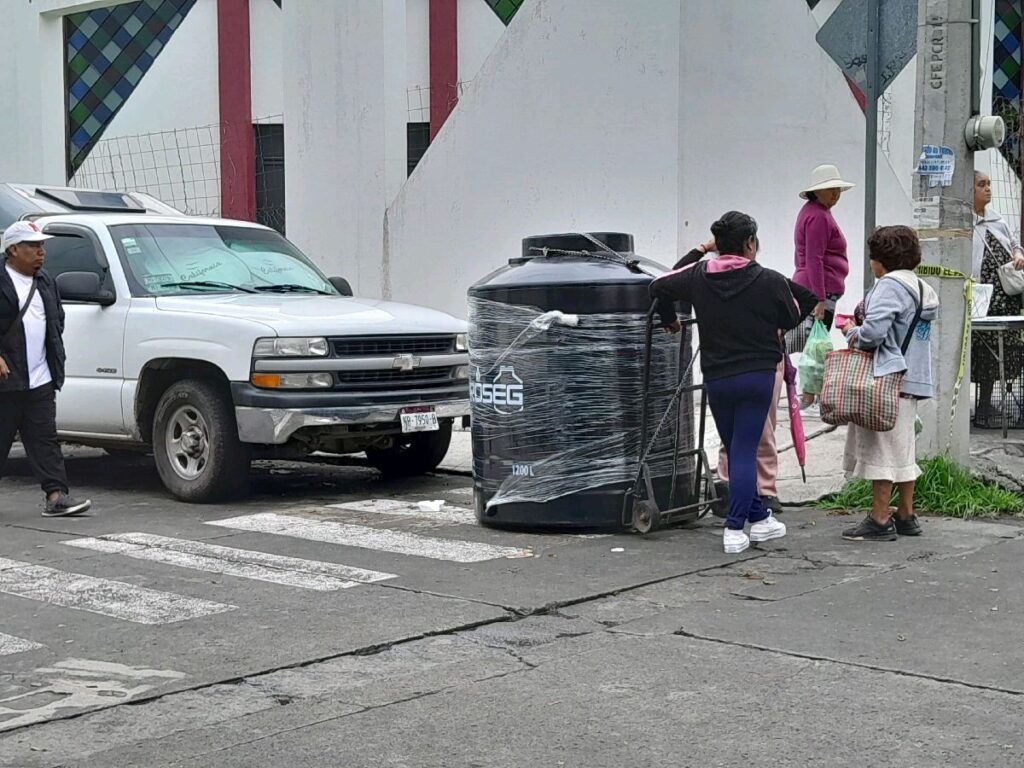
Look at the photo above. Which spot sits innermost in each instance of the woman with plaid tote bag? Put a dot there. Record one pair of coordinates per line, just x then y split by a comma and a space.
896, 329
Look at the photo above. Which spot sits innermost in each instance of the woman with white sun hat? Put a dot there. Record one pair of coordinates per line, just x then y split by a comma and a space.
821, 262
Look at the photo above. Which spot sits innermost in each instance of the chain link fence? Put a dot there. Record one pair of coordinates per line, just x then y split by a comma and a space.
182, 167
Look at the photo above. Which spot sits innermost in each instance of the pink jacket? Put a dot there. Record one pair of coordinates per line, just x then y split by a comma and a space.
821, 264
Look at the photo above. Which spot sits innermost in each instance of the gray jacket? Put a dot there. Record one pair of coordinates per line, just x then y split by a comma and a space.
889, 310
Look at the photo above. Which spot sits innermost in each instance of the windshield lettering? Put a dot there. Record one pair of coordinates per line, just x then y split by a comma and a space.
215, 257
200, 271
269, 270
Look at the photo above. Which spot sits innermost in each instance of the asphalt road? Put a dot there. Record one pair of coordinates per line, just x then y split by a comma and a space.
330, 620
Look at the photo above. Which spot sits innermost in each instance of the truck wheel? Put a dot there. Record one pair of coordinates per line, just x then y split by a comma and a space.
195, 442
413, 454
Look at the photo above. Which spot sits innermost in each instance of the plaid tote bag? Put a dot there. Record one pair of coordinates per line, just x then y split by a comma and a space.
852, 394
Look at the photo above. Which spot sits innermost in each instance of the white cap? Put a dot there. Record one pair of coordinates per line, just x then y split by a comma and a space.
22, 232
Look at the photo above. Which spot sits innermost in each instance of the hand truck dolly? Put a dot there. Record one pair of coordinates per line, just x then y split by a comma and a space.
641, 510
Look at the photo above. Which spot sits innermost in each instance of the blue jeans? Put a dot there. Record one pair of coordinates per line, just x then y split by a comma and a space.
740, 406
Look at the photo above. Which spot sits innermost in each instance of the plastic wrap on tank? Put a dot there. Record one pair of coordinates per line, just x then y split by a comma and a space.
563, 392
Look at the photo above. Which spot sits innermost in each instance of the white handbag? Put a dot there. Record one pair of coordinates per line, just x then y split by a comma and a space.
1012, 279
981, 299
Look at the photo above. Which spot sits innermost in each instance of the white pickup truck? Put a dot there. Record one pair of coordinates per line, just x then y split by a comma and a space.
211, 342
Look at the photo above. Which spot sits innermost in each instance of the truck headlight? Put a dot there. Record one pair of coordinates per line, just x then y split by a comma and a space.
292, 380
462, 342
291, 347
462, 372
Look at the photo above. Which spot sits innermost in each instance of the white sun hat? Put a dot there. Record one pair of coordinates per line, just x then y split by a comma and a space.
826, 177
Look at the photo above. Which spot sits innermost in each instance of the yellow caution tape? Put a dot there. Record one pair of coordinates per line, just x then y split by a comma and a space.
929, 270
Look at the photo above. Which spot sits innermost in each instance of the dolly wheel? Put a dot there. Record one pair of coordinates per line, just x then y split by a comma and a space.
645, 517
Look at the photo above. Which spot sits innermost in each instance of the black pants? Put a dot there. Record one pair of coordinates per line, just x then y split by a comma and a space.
34, 414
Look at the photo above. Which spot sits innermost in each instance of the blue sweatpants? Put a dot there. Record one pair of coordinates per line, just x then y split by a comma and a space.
740, 405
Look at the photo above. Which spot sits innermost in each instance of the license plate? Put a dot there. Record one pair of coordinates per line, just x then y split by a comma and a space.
418, 420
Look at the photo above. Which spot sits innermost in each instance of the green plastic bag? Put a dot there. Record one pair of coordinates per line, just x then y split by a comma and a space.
812, 361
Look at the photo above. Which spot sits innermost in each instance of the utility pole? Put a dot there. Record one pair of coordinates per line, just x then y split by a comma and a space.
945, 73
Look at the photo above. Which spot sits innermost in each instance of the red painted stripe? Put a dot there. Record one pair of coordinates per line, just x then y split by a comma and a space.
444, 61
237, 144
858, 94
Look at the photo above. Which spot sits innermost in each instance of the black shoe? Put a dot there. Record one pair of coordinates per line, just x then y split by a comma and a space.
869, 530
65, 505
772, 504
908, 527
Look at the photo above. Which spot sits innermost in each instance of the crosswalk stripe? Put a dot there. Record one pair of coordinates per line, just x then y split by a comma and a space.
243, 563
364, 537
10, 644
103, 596
447, 515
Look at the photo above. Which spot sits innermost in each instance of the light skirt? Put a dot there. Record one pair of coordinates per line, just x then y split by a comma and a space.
889, 455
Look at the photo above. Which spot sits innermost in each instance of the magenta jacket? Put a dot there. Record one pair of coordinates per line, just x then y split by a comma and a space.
821, 264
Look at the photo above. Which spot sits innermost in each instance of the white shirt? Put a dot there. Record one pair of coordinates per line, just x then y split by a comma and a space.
994, 223
34, 325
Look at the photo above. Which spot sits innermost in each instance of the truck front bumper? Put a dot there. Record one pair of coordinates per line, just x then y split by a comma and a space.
274, 426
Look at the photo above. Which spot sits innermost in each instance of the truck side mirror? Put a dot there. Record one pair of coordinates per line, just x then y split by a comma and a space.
83, 286
341, 285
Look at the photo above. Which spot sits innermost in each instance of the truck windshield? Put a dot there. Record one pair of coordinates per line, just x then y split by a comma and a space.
178, 259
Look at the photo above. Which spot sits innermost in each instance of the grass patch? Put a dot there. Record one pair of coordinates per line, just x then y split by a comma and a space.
945, 488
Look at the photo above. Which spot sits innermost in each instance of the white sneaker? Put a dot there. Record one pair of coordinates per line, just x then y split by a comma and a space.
812, 411
734, 541
767, 529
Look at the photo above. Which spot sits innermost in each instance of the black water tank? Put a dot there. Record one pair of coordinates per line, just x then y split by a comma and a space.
555, 405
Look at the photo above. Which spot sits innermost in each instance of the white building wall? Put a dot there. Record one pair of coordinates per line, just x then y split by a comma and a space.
396, 111
479, 31
417, 58
335, 112
32, 85
569, 125
266, 46
750, 142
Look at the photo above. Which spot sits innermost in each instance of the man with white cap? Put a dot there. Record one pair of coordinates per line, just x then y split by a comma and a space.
32, 364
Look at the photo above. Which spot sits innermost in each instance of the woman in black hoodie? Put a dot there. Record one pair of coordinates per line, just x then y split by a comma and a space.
741, 308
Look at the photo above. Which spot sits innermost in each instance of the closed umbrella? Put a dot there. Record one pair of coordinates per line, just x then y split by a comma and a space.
796, 421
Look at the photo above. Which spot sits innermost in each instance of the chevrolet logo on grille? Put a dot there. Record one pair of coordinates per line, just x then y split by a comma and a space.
406, 362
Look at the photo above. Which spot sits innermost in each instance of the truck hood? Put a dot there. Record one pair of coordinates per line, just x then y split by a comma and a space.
304, 315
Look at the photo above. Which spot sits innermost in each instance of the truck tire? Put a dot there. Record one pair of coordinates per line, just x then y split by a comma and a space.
195, 443
412, 455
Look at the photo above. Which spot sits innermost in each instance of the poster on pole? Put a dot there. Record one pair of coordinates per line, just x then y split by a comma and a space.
936, 164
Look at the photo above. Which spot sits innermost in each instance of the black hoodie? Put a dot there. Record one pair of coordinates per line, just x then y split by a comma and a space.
740, 313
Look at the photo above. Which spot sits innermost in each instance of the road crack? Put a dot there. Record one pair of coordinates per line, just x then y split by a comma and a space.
512, 615
845, 663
